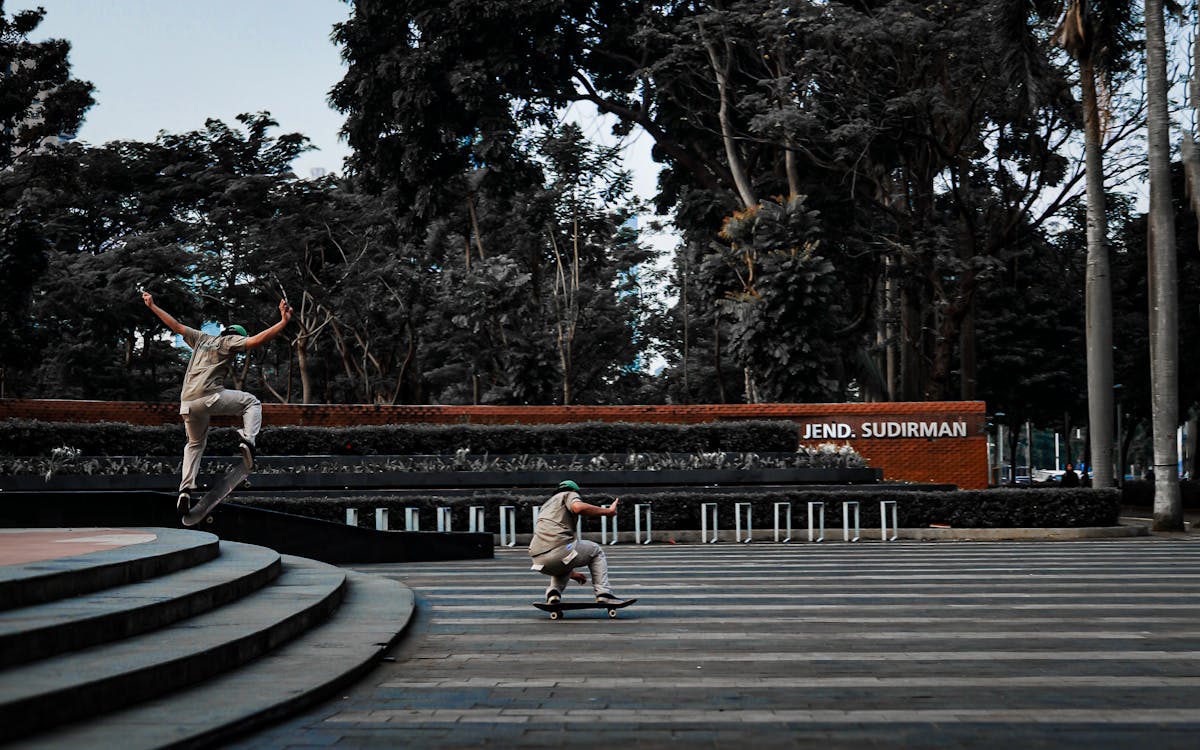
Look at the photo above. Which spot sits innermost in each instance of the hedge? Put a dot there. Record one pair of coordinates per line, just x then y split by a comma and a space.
981, 509
34, 438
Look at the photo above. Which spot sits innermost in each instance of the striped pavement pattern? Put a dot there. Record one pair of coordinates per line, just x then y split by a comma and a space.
1088, 644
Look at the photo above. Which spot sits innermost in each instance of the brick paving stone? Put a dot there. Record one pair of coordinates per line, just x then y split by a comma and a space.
1082, 644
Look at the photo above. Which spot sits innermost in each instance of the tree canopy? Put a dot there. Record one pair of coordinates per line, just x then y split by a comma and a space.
874, 199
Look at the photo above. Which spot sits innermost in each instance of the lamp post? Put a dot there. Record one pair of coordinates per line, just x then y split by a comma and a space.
999, 417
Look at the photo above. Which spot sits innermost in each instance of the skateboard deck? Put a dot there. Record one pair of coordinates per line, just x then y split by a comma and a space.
556, 610
203, 509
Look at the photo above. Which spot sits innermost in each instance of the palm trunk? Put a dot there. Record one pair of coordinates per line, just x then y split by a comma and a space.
1164, 308
1098, 292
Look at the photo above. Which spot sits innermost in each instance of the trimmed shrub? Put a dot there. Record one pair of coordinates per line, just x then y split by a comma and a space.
32, 438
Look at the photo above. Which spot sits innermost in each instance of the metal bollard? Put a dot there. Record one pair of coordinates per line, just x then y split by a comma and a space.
883, 509
737, 513
443, 519
704, 513
412, 519
788, 511
820, 507
508, 525
637, 523
475, 518
846, 521
381, 519
351, 516
604, 530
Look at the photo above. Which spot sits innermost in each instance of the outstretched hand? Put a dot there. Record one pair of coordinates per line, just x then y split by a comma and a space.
148, 298
285, 311
613, 508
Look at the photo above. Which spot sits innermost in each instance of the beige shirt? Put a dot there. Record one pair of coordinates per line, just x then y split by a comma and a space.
555, 525
212, 359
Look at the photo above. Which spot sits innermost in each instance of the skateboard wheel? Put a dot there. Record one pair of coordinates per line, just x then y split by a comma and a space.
208, 520
612, 613
555, 615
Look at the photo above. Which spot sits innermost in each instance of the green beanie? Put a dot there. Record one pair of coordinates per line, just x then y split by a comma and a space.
567, 484
234, 330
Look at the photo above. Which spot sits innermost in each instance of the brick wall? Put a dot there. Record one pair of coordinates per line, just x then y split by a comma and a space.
920, 441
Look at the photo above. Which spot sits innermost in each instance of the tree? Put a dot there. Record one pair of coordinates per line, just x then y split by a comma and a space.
923, 178
1097, 34
1163, 277
39, 102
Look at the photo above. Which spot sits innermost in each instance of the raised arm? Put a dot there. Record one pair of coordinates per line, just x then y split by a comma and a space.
162, 314
581, 508
262, 337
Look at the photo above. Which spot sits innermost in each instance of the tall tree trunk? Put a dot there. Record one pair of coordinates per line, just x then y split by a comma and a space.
683, 301
306, 385
720, 68
912, 336
968, 360
1098, 291
1163, 276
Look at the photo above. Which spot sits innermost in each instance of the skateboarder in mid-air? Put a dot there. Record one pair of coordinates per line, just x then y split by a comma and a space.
556, 552
204, 393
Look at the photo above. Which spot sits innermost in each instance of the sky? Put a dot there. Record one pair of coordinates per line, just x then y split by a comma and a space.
168, 65
171, 64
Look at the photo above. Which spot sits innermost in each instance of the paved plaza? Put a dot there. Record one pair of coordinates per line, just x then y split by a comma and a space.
1084, 644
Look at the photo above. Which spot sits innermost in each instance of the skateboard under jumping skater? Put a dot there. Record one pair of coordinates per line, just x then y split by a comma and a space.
227, 484
556, 610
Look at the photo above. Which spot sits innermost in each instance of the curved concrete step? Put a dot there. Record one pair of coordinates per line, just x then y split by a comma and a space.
288, 680
43, 630
48, 580
103, 678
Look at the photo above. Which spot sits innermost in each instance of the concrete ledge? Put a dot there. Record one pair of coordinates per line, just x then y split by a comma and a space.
1086, 532
72, 686
48, 580
43, 630
285, 681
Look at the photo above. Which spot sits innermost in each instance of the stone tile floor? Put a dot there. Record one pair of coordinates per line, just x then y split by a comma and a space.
1083, 644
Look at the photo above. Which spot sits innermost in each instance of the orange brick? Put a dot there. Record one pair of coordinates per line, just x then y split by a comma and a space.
953, 460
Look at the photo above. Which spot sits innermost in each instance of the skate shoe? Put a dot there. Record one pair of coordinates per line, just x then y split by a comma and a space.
248, 451
553, 597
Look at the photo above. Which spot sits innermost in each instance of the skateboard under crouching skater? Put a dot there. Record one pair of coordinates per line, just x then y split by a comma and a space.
556, 610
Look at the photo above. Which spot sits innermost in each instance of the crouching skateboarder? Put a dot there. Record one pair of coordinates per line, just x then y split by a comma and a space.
556, 552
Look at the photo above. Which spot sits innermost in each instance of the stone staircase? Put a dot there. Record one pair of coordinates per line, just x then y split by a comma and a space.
179, 639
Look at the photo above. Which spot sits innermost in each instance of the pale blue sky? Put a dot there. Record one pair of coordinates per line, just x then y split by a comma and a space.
171, 64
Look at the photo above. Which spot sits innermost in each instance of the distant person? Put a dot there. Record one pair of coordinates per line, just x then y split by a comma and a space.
204, 393
1069, 477
556, 552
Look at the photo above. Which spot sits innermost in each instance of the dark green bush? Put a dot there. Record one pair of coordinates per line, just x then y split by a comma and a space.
32, 438
980, 509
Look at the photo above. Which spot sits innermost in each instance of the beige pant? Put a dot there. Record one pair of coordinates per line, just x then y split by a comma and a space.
560, 561
196, 416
